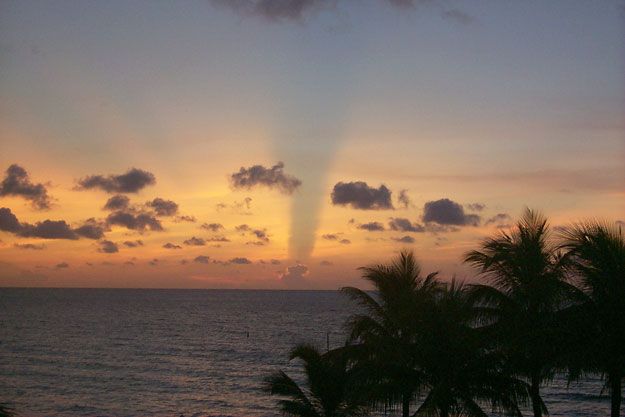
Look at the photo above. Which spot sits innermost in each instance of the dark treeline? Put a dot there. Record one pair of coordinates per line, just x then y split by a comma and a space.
547, 303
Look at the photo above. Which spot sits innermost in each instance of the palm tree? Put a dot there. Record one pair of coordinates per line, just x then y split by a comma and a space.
6, 410
521, 306
461, 371
327, 392
383, 335
597, 252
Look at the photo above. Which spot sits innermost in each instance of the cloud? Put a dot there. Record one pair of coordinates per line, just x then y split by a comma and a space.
403, 199
404, 239
475, 206
335, 237
372, 227
326, 263
260, 234
184, 218
8, 221
501, 219
62, 265
133, 243
405, 225
274, 10
218, 239
163, 207
106, 246
133, 181
17, 183
447, 212
132, 221
201, 259
117, 202
360, 196
213, 227
237, 207
31, 246
91, 229
170, 245
258, 175
294, 274
48, 229
195, 241
154, 262
458, 16
240, 261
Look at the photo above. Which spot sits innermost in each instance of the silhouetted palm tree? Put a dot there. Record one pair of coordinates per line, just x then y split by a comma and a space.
460, 372
326, 393
383, 335
6, 410
597, 252
522, 305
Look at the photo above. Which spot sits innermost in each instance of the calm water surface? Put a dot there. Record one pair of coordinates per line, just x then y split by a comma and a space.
88, 352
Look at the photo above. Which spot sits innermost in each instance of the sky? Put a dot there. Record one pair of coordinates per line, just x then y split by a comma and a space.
284, 143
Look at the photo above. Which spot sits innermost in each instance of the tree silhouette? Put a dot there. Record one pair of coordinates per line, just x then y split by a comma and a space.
597, 254
326, 392
521, 306
384, 334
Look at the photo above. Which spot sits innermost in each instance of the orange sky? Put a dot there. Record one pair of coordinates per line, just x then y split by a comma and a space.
460, 111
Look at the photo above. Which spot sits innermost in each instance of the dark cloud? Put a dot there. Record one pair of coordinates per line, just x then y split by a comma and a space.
135, 221
240, 261
154, 262
360, 196
405, 225
260, 234
475, 206
275, 262
274, 10
458, 16
133, 243
195, 241
500, 219
62, 265
372, 227
117, 202
218, 239
345, 241
91, 229
106, 246
31, 246
201, 259
237, 207
184, 218
17, 183
258, 175
447, 212
129, 263
170, 245
213, 227
330, 236
294, 274
404, 239
8, 221
133, 181
48, 229
163, 207
326, 263
403, 199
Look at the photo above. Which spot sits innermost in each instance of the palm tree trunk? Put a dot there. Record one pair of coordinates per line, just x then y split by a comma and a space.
615, 391
405, 405
535, 394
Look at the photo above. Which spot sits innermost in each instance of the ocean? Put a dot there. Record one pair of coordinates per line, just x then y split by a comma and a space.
101, 352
